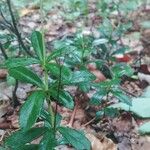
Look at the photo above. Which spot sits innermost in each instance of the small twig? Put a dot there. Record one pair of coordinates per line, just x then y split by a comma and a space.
14, 96
128, 92
89, 122
73, 115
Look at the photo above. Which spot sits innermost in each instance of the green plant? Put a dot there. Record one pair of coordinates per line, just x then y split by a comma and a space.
49, 88
65, 66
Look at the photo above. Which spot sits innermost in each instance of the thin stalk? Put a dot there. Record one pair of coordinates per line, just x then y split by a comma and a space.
58, 93
16, 29
3, 51
50, 109
15, 101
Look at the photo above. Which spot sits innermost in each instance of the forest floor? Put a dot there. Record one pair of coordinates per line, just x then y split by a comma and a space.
110, 133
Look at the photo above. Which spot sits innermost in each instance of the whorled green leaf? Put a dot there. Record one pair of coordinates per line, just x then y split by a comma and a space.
121, 96
48, 141
76, 138
25, 75
21, 137
64, 98
144, 128
15, 62
37, 43
31, 109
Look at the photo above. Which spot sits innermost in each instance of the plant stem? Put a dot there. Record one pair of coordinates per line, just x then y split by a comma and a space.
16, 29
50, 110
58, 93
15, 101
3, 51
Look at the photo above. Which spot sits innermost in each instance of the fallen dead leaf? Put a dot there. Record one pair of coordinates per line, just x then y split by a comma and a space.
3, 73
101, 144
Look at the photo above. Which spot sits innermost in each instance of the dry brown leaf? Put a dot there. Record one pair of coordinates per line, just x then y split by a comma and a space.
99, 75
144, 77
101, 144
25, 11
3, 73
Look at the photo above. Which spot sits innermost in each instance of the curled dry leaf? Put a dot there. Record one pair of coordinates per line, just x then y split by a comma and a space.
100, 144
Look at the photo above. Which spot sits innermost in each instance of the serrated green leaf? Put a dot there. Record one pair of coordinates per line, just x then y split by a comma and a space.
57, 70
31, 109
122, 69
48, 141
99, 41
15, 62
37, 43
64, 98
144, 128
28, 147
97, 97
121, 96
81, 77
76, 138
55, 54
25, 75
47, 117
21, 137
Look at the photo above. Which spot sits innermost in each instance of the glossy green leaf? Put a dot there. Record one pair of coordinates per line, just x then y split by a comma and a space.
21, 137
99, 41
55, 54
25, 75
76, 138
122, 69
59, 71
64, 98
97, 97
107, 83
144, 128
81, 77
48, 141
47, 118
31, 109
28, 147
37, 43
121, 96
15, 62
